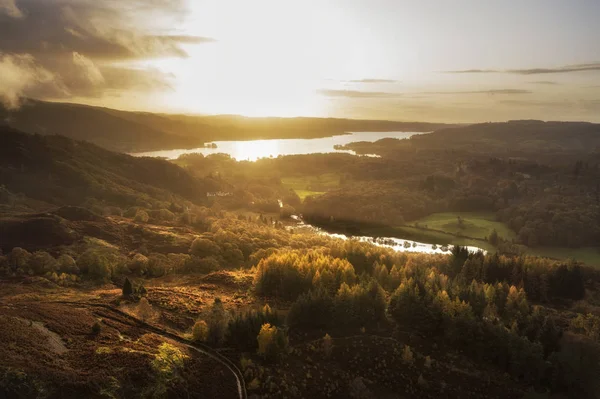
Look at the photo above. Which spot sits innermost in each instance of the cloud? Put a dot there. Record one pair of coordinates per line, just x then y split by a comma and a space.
357, 94
9, 8
544, 82
88, 67
496, 91
373, 81
473, 71
536, 71
107, 29
91, 47
17, 74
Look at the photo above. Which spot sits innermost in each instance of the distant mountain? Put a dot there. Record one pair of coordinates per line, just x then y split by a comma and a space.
141, 131
60, 171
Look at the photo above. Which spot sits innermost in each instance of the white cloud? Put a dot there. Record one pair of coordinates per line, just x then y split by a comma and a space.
18, 73
91, 71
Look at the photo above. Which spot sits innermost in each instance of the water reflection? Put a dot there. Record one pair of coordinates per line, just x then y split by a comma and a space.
254, 149
397, 244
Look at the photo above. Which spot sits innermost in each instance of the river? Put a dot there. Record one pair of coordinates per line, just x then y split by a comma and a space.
254, 149
397, 244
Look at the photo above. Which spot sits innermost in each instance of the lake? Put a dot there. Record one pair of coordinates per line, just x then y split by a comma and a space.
254, 149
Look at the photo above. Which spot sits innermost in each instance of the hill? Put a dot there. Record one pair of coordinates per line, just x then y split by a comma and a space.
141, 131
61, 171
532, 139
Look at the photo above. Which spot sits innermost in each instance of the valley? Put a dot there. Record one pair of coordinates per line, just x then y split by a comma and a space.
127, 276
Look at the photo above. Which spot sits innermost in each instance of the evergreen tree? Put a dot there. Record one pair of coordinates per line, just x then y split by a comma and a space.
127, 288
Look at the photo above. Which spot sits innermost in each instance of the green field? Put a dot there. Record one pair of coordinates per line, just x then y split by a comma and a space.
311, 185
589, 256
468, 224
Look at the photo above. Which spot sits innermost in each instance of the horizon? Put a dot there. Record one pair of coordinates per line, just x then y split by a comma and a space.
397, 61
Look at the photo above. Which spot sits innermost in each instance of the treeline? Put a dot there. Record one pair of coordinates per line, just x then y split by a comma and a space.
466, 301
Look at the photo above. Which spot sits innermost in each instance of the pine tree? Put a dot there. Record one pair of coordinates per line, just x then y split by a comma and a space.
127, 288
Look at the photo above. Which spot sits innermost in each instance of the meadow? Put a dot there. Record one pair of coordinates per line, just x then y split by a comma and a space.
309, 185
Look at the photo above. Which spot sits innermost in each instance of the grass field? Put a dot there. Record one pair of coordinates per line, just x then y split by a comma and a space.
472, 224
589, 256
311, 185
444, 228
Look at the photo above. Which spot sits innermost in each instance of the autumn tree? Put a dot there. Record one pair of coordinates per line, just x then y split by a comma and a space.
200, 331
272, 342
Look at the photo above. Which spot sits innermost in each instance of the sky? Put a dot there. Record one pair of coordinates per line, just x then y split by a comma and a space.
439, 61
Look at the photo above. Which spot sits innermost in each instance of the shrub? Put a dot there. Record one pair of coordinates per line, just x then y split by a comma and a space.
158, 265
141, 216
67, 264
203, 247
407, 355
169, 361
97, 264
96, 328
272, 342
138, 264
42, 262
200, 331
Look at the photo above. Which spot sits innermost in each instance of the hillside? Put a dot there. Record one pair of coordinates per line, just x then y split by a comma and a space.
513, 138
93, 124
61, 171
141, 131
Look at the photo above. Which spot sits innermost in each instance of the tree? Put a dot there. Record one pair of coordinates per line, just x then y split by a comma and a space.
200, 331
42, 262
272, 342
327, 346
127, 288
95, 263
144, 309
218, 321
407, 355
19, 258
203, 247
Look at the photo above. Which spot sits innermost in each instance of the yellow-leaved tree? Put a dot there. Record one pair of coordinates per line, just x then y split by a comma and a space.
272, 342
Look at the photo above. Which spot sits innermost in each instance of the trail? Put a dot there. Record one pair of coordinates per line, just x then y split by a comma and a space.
198, 347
